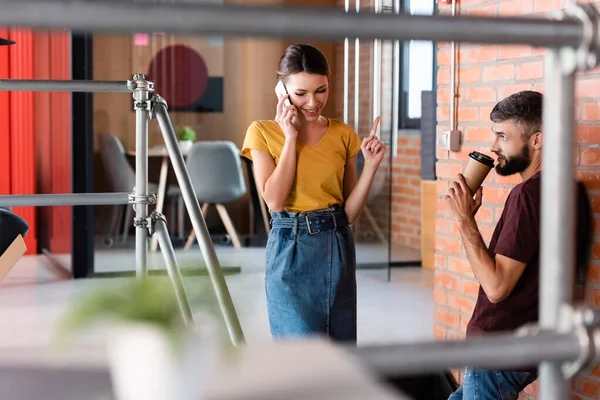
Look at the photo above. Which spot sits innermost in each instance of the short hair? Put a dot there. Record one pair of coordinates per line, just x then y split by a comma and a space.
523, 108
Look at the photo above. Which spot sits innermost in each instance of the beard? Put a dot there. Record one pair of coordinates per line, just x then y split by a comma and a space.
514, 164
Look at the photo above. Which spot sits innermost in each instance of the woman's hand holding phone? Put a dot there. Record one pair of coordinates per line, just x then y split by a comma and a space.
284, 117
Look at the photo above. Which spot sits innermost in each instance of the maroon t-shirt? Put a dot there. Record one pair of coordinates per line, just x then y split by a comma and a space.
516, 236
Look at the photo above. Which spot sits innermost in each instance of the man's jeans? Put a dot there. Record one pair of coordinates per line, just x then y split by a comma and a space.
481, 384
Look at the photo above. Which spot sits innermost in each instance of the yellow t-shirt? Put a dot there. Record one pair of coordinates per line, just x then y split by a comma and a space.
319, 178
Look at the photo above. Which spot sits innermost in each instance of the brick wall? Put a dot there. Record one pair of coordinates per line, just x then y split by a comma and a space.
406, 192
486, 75
404, 172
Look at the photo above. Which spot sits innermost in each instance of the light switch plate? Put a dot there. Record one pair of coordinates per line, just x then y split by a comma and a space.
451, 140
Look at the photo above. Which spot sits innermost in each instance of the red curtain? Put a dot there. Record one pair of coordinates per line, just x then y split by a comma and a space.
36, 126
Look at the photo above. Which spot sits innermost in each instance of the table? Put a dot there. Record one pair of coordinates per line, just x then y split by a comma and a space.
160, 151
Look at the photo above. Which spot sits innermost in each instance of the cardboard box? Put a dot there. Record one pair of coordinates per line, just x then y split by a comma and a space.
10, 257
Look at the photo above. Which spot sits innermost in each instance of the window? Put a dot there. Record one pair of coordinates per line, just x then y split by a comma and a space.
417, 60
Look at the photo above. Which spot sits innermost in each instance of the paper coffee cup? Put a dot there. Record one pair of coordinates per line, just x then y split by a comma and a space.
477, 169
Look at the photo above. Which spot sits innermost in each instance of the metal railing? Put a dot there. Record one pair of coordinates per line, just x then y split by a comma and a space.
568, 340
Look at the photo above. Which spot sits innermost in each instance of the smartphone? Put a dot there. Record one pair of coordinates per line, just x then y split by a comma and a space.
281, 90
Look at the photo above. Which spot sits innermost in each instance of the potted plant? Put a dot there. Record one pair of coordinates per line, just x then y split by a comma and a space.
152, 354
187, 135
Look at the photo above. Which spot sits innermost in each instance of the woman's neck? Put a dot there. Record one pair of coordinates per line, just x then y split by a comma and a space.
306, 126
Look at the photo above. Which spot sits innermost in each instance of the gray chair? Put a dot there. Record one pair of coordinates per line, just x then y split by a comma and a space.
121, 178
216, 172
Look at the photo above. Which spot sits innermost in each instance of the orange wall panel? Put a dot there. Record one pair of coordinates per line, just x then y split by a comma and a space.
4, 120
60, 132
41, 70
22, 140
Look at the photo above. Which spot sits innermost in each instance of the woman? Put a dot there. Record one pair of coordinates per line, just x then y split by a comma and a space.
305, 168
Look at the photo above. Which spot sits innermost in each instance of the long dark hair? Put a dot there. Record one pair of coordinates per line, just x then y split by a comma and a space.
302, 58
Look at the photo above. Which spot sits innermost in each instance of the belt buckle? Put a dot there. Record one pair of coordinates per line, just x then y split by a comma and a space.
310, 231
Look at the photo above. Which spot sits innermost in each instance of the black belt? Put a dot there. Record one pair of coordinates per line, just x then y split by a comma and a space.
315, 223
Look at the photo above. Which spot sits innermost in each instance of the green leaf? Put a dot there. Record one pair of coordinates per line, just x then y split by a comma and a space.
187, 133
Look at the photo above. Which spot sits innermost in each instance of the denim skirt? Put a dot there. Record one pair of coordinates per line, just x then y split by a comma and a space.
310, 278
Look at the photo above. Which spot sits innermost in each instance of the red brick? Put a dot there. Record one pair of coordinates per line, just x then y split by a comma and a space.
467, 114
483, 10
591, 179
448, 170
442, 207
486, 232
594, 274
511, 52
440, 261
587, 134
443, 77
443, 114
459, 266
447, 244
503, 72
506, 90
439, 333
588, 387
590, 157
587, 88
443, 57
515, 7
463, 154
443, 95
479, 94
461, 303
440, 297
532, 70
485, 214
548, 5
446, 317
469, 75
464, 321
446, 280
590, 112
469, 288
477, 54
478, 134
441, 186
496, 195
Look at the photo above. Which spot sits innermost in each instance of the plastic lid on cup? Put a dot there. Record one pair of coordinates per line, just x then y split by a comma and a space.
482, 158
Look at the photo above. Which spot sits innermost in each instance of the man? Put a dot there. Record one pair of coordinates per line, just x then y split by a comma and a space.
508, 272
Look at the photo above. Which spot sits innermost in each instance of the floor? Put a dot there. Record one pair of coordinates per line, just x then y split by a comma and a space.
33, 298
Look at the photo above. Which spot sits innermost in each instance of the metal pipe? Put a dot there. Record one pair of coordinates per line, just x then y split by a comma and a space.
39, 85
357, 77
395, 89
557, 215
141, 96
377, 74
490, 351
278, 21
346, 67
166, 248
356, 84
199, 224
68, 199
453, 123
